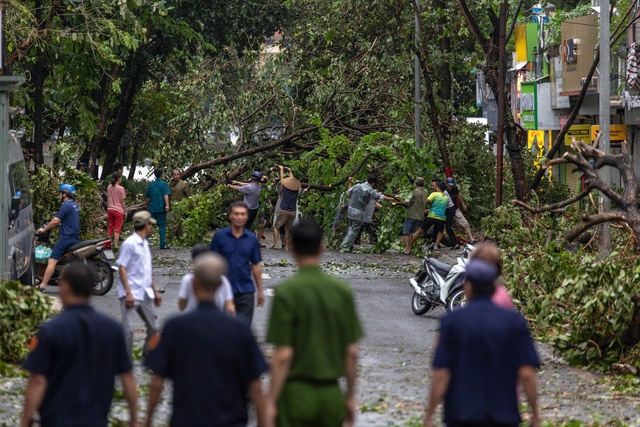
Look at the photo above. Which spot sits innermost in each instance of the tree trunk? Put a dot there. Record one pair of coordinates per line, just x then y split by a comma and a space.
128, 91
134, 161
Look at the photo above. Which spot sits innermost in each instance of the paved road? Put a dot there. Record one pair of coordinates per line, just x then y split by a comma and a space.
396, 351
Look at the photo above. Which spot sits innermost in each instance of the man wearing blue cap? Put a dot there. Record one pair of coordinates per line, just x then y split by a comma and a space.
483, 352
251, 191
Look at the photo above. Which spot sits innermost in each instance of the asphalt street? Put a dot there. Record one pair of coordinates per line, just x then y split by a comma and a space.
395, 352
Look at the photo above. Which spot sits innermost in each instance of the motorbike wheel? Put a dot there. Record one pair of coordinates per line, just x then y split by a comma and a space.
104, 277
457, 301
419, 305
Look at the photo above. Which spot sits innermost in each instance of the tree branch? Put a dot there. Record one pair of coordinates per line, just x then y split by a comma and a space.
554, 206
193, 169
590, 221
475, 29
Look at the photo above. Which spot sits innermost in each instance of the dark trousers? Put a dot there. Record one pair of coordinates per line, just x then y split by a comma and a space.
450, 214
438, 226
244, 306
371, 230
253, 213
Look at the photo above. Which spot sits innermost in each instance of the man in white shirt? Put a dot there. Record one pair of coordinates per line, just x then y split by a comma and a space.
136, 288
187, 300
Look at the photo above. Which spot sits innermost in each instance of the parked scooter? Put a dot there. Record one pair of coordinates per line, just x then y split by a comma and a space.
97, 253
440, 284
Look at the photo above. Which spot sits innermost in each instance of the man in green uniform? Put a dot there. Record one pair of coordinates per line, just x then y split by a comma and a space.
157, 196
315, 329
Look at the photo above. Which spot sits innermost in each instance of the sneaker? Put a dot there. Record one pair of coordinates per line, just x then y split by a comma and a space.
432, 248
165, 247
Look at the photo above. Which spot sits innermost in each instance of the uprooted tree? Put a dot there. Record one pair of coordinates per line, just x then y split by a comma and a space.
626, 203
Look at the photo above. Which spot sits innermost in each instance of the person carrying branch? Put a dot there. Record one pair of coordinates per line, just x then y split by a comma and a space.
361, 194
288, 205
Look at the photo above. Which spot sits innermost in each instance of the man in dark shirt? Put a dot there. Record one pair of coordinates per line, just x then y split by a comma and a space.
74, 359
211, 357
483, 352
68, 218
241, 249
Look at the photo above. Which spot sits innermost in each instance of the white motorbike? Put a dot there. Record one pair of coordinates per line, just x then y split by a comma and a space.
440, 284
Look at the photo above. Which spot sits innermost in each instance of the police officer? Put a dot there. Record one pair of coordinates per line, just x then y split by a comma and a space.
74, 359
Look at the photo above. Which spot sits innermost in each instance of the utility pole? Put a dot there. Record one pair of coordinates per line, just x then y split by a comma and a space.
7, 85
604, 119
502, 71
417, 80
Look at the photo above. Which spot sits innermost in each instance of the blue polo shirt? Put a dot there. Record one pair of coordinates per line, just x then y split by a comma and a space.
69, 216
155, 193
483, 346
79, 353
241, 253
212, 359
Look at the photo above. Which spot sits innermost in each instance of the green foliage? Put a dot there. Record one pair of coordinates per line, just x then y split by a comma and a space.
198, 214
22, 310
474, 168
554, 37
46, 201
583, 306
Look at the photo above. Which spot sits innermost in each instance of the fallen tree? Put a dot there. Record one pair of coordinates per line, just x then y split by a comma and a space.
627, 203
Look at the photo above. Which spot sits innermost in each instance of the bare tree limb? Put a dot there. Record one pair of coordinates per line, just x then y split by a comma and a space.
592, 220
195, 168
554, 206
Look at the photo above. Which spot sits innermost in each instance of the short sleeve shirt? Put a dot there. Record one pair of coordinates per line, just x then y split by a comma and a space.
439, 204
115, 197
453, 193
316, 315
482, 347
223, 294
241, 253
416, 210
67, 351
211, 367
69, 216
135, 256
155, 193
251, 193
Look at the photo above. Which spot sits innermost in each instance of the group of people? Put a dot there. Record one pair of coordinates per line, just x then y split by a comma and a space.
160, 195
446, 205
211, 356
484, 353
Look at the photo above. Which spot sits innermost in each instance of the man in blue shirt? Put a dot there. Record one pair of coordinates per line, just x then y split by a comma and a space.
211, 357
74, 359
68, 218
251, 191
157, 196
241, 249
483, 353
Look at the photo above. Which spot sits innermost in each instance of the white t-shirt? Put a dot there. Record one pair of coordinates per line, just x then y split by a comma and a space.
223, 294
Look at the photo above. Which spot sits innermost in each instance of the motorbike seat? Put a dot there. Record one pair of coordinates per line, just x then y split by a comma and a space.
440, 266
84, 244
